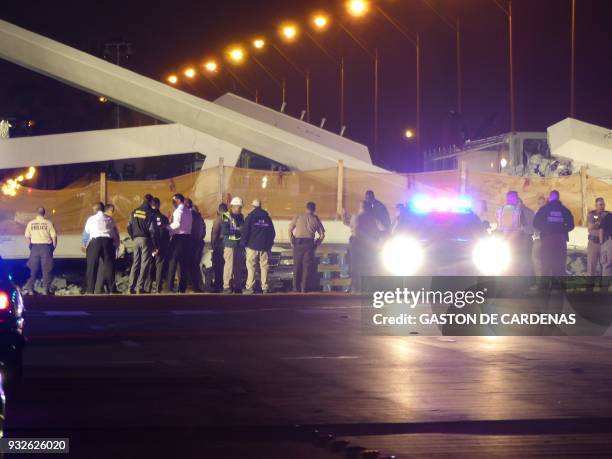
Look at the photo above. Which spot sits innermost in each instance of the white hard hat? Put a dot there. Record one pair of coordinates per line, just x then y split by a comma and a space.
236, 202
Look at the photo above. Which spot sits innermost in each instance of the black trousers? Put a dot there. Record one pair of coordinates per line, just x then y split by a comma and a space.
100, 256
161, 266
218, 263
179, 257
303, 264
197, 249
41, 259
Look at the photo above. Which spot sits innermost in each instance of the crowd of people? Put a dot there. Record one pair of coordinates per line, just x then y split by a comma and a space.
170, 248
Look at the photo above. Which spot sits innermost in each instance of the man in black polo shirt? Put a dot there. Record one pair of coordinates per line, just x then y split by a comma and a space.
605, 238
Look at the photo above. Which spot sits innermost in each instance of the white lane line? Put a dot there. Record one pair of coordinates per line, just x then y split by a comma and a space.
67, 313
195, 313
322, 357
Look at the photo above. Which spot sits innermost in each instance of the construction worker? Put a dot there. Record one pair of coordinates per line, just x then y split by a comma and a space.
380, 211
605, 239
257, 238
42, 239
233, 253
163, 242
180, 244
103, 240
554, 221
216, 242
303, 232
142, 231
198, 232
536, 248
594, 219
514, 221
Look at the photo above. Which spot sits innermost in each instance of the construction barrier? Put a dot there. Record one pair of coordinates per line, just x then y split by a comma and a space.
285, 193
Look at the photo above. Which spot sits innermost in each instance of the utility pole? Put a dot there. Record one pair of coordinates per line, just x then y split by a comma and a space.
117, 51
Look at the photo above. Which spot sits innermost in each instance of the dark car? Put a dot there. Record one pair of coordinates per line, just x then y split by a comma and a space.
443, 237
12, 340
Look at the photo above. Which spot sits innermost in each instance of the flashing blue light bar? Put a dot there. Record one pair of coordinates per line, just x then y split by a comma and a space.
423, 204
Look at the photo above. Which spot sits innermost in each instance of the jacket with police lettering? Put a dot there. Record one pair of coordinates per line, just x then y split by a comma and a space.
161, 222
231, 229
554, 218
142, 223
258, 231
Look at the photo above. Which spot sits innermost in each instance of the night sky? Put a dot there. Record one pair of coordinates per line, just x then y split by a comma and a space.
168, 36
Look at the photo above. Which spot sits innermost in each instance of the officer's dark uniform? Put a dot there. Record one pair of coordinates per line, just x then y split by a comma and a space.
163, 242
606, 247
198, 231
554, 221
143, 232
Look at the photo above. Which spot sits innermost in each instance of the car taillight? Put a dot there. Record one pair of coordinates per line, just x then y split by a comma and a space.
5, 301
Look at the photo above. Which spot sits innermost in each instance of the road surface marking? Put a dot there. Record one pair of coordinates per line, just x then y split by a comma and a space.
321, 357
67, 313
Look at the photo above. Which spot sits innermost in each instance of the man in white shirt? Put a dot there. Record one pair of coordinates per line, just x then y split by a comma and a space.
103, 240
180, 242
42, 238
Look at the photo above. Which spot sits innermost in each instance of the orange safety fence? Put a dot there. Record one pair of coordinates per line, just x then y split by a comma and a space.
284, 194
488, 191
67, 208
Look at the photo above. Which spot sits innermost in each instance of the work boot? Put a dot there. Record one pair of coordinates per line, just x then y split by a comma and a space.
227, 291
249, 291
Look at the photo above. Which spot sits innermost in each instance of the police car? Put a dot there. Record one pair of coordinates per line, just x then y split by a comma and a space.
12, 340
441, 235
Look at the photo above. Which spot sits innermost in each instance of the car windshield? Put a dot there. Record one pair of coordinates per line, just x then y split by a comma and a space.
443, 225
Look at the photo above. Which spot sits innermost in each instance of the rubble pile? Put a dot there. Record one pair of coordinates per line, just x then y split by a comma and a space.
577, 263
539, 166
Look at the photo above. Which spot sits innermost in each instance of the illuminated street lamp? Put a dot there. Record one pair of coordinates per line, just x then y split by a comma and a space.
102, 99
320, 21
236, 55
288, 31
409, 134
211, 66
189, 72
357, 8
259, 43
172, 79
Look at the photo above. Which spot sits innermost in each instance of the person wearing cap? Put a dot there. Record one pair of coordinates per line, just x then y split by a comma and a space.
303, 231
180, 244
216, 242
257, 238
42, 239
198, 232
233, 252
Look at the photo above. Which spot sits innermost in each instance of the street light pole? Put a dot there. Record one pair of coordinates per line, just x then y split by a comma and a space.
280, 82
508, 13
304, 73
459, 82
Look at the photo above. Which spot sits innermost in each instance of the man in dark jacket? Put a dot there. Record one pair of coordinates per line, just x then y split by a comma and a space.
161, 249
216, 242
380, 211
143, 232
258, 238
198, 231
554, 221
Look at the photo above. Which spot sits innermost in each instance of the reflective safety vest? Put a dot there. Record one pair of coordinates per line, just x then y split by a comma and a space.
232, 224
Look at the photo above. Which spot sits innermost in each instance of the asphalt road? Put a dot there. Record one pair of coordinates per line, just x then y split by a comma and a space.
172, 378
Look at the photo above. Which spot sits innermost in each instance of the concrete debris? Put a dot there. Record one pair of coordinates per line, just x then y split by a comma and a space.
540, 166
577, 263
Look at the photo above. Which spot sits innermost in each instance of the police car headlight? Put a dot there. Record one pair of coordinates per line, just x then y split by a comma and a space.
492, 256
402, 256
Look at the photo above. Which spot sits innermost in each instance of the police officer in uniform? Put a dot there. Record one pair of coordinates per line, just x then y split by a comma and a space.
42, 238
142, 230
594, 219
303, 231
554, 221
161, 222
233, 253
198, 232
